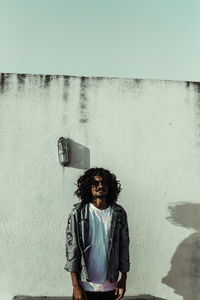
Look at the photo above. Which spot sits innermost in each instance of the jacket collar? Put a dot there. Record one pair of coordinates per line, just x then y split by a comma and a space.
80, 205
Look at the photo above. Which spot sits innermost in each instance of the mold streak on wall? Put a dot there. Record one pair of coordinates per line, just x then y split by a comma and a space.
66, 86
83, 99
21, 80
196, 85
47, 80
4, 82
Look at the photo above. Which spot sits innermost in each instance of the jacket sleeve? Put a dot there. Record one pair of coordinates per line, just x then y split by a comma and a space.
73, 253
124, 262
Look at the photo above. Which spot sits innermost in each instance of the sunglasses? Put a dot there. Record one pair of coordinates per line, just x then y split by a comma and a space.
96, 182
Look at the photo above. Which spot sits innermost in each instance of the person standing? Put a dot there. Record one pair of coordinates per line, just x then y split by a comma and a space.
97, 238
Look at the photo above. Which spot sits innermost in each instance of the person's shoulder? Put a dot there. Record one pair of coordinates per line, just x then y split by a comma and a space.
76, 207
118, 208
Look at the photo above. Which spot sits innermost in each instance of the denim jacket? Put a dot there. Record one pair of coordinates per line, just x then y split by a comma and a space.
78, 246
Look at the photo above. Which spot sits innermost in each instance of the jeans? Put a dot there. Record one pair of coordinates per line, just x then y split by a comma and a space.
100, 295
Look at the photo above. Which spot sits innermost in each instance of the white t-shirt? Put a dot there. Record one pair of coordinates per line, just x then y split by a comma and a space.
99, 231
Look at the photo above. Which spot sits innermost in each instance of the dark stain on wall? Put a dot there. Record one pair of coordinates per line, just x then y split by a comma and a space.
21, 80
66, 86
197, 89
194, 84
2, 82
98, 78
197, 86
98, 81
134, 86
83, 119
84, 84
47, 80
187, 83
41, 77
138, 81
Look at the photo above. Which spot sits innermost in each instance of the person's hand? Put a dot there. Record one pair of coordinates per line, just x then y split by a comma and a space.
120, 285
79, 293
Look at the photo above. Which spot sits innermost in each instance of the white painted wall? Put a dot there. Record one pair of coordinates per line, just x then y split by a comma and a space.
144, 131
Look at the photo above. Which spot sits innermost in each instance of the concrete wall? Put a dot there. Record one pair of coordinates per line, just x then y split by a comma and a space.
147, 132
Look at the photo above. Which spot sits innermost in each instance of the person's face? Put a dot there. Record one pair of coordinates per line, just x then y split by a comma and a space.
99, 187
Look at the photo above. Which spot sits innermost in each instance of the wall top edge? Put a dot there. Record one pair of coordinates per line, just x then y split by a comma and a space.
57, 76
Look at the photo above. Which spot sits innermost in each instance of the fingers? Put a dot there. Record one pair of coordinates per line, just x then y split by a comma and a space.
121, 294
116, 291
84, 296
81, 297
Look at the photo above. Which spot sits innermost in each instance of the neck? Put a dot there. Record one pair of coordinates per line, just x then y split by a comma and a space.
100, 203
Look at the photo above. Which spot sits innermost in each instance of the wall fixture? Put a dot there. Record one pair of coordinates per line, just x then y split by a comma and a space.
63, 151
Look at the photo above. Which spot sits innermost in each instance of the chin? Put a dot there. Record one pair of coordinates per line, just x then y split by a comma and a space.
101, 196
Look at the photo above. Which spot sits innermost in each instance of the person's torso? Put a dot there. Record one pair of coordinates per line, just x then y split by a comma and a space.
97, 264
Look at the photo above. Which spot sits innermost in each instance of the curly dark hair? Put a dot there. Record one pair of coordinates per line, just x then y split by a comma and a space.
85, 181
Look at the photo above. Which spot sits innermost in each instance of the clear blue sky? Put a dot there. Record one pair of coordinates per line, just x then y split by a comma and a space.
157, 39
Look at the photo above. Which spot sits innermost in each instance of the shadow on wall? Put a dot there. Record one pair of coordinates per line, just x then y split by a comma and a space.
143, 297
72, 154
184, 275
140, 297
79, 156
